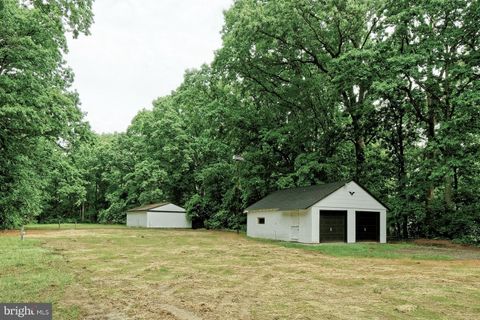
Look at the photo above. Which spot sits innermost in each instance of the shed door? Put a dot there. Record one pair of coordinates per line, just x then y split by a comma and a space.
367, 226
333, 226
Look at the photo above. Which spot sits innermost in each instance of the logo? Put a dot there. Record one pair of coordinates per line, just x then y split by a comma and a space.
26, 311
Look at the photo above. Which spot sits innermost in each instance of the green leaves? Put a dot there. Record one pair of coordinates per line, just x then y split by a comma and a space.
37, 110
305, 91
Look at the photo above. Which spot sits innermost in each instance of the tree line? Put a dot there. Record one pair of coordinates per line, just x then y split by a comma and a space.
306, 92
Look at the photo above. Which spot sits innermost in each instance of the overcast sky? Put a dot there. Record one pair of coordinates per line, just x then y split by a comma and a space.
138, 51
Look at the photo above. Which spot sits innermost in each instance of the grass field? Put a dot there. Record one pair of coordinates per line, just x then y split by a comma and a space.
74, 226
117, 273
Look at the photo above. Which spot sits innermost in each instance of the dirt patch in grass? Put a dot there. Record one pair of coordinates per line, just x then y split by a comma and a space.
16, 233
39, 233
52, 233
197, 274
447, 252
445, 244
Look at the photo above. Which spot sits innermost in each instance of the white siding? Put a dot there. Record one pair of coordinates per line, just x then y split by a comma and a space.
166, 216
305, 222
304, 225
279, 225
351, 226
343, 199
315, 225
351, 196
170, 207
383, 226
168, 220
137, 219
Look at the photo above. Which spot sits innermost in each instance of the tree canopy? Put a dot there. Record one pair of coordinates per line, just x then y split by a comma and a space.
40, 120
305, 92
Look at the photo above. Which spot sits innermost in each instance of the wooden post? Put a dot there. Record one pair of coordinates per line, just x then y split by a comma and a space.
22, 233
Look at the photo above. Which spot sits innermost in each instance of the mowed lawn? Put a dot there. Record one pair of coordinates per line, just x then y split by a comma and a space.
120, 273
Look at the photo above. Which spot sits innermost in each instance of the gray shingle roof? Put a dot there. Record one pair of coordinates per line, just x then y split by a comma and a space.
148, 207
296, 198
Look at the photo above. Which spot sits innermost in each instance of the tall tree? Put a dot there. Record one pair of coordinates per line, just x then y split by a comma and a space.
434, 54
35, 103
310, 58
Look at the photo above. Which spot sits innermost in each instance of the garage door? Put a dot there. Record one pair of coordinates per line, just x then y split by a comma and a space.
367, 226
333, 226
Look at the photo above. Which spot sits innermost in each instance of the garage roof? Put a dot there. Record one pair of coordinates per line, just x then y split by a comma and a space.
301, 197
148, 207
296, 198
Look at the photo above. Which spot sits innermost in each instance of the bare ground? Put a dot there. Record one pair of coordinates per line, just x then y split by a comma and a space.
175, 274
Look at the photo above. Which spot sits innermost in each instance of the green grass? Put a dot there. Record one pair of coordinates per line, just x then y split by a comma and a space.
54, 226
30, 273
125, 272
373, 250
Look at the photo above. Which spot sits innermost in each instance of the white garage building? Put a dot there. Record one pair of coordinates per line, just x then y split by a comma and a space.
333, 212
158, 215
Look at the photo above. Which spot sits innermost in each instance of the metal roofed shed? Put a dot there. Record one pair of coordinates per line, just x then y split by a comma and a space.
158, 215
341, 211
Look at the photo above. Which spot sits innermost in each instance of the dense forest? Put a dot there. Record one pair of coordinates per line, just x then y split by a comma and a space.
303, 91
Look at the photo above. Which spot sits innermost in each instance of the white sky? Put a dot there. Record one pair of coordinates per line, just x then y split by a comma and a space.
139, 50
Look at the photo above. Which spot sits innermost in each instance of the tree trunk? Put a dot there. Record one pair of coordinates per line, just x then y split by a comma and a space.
405, 226
359, 156
96, 202
430, 158
359, 148
353, 104
401, 173
448, 192
432, 122
455, 179
82, 218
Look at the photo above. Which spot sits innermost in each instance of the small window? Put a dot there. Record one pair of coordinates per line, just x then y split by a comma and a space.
261, 220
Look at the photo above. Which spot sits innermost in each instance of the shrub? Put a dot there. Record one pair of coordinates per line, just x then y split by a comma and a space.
472, 237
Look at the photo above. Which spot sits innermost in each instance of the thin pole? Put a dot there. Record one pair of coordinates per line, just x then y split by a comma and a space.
22, 233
